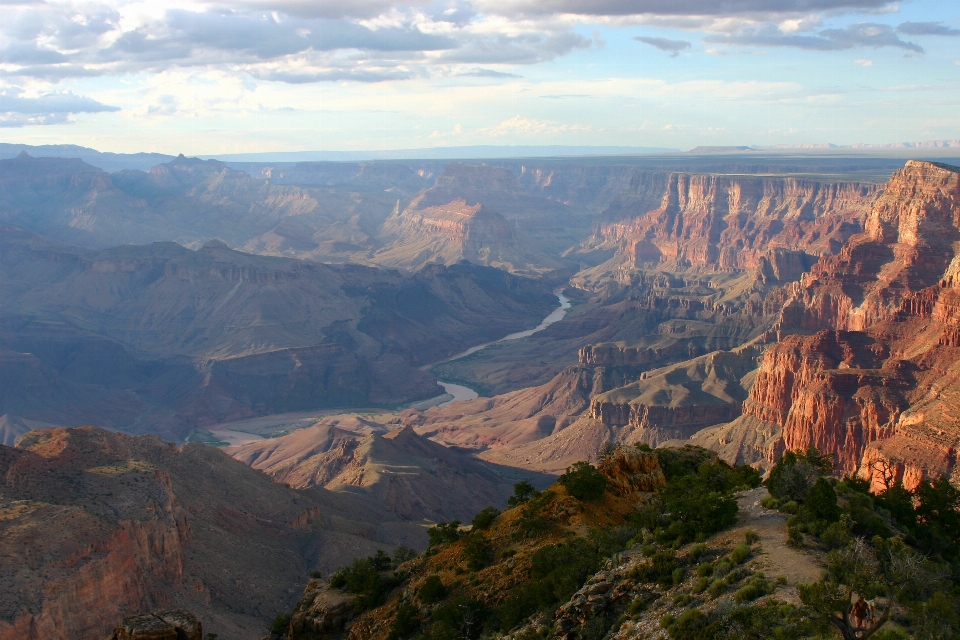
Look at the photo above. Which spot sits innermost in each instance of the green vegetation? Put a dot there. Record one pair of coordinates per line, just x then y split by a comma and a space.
584, 482
556, 572
444, 532
432, 590
698, 500
366, 579
485, 518
522, 491
899, 549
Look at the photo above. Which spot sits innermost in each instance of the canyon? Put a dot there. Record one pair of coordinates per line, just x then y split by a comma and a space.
749, 307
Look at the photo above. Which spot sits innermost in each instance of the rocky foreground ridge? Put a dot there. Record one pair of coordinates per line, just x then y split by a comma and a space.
98, 525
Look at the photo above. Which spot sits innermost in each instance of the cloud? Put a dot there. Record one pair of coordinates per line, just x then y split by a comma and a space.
674, 47
527, 48
864, 34
927, 29
486, 73
863, 62
18, 109
673, 7
523, 126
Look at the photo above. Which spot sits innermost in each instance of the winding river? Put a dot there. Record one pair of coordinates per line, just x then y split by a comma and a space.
460, 392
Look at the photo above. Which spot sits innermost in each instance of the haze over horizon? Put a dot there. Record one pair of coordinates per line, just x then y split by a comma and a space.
207, 78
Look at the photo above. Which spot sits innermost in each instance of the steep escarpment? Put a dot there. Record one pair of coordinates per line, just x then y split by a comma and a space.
713, 222
874, 386
98, 525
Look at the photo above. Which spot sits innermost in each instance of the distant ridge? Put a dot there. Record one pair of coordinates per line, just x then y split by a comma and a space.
477, 152
107, 161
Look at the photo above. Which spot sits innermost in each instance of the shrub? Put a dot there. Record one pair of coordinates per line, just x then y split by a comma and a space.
403, 554
791, 507
697, 550
750, 536
485, 518
364, 580
432, 591
821, 503
704, 569
556, 572
280, 623
460, 618
477, 551
795, 473
717, 588
444, 532
682, 600
405, 623
584, 482
522, 491
739, 554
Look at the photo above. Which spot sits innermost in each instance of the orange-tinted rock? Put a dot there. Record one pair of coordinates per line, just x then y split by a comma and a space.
729, 222
629, 470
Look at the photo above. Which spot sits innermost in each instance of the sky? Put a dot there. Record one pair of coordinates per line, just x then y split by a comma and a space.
205, 77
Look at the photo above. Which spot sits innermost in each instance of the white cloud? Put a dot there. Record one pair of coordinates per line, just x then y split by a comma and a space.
863, 62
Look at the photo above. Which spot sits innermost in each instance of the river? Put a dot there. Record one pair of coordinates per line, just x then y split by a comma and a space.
460, 392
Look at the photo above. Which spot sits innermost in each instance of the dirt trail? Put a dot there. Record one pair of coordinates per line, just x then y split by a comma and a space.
775, 557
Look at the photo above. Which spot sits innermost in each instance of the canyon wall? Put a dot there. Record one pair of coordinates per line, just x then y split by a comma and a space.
865, 363
722, 223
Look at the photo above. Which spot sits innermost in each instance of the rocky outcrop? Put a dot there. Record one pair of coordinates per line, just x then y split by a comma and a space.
412, 476
906, 246
629, 470
96, 526
481, 214
321, 613
160, 625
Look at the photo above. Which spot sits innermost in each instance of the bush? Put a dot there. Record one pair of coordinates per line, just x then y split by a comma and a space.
697, 550
821, 503
750, 536
444, 532
477, 551
432, 591
280, 623
406, 622
485, 518
556, 572
584, 482
403, 554
522, 491
795, 473
461, 618
364, 580
740, 553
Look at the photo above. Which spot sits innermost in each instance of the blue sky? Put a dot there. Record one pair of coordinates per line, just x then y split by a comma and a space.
204, 77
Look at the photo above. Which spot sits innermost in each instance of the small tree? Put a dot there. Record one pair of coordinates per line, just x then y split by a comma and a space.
485, 518
887, 569
583, 481
522, 491
795, 473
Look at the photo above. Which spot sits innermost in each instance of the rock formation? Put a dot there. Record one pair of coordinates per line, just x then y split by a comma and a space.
874, 386
96, 525
415, 478
160, 625
728, 222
